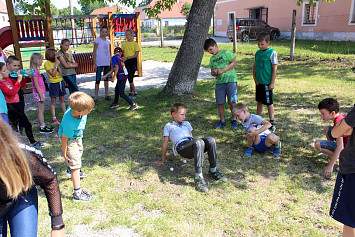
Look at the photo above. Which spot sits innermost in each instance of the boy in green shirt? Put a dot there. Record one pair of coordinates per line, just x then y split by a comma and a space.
222, 65
264, 74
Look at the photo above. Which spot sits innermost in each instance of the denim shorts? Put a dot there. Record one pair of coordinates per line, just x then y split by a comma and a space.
329, 145
57, 89
229, 89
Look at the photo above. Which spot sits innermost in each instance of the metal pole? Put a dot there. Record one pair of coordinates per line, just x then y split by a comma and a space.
72, 23
293, 36
161, 33
234, 34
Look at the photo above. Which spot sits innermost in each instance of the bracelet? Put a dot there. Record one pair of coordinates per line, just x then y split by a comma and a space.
58, 227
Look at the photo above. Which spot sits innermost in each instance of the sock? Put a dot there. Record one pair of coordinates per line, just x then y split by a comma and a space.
198, 175
43, 126
54, 117
213, 169
77, 191
272, 122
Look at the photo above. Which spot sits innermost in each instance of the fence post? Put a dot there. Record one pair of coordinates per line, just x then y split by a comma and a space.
293, 35
234, 34
111, 33
161, 33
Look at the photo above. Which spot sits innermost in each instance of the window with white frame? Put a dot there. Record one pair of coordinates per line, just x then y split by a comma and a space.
352, 13
309, 14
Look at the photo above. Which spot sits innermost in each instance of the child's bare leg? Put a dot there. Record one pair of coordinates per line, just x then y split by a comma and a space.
272, 139
40, 106
106, 87
75, 175
326, 130
325, 151
348, 231
62, 103
132, 87
251, 138
270, 109
259, 108
221, 112
97, 87
52, 106
234, 115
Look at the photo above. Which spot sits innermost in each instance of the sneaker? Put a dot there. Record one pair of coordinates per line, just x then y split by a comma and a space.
200, 185
38, 144
277, 150
46, 130
272, 129
96, 101
133, 107
84, 196
135, 95
220, 124
82, 174
56, 121
108, 98
217, 175
234, 124
130, 94
249, 152
112, 106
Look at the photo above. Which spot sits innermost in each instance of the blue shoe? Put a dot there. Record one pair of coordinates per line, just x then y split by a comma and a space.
249, 152
220, 124
277, 150
234, 124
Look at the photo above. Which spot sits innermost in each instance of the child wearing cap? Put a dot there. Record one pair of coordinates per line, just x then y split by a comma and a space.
119, 72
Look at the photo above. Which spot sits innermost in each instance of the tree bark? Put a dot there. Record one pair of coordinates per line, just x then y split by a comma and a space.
183, 75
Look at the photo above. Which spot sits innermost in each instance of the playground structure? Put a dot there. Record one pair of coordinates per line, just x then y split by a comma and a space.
38, 32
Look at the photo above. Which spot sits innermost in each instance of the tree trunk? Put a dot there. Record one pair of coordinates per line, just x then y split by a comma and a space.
184, 72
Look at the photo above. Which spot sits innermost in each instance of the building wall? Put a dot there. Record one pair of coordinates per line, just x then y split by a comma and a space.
332, 19
4, 20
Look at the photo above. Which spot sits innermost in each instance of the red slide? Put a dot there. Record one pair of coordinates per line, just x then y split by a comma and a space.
6, 37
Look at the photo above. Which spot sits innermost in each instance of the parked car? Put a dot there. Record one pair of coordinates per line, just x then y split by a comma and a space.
249, 28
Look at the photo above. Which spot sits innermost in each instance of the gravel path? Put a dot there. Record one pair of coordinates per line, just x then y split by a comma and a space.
155, 74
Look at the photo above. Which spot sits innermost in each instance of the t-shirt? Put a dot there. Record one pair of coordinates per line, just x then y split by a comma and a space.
336, 120
177, 133
117, 60
130, 48
255, 121
103, 55
72, 127
264, 59
347, 155
222, 60
48, 66
69, 56
40, 83
3, 105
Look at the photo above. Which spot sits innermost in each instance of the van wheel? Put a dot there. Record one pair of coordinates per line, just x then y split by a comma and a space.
245, 37
273, 35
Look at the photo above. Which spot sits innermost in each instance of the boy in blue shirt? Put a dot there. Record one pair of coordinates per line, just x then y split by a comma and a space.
185, 145
264, 74
71, 132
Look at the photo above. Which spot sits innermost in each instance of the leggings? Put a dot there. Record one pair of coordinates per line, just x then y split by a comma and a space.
17, 116
195, 149
131, 65
119, 91
22, 217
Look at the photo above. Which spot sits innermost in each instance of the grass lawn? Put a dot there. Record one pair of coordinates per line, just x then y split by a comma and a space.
265, 196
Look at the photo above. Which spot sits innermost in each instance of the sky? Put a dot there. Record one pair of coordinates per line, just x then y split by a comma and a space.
60, 4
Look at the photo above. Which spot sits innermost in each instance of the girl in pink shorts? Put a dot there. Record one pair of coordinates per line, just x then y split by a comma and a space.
39, 91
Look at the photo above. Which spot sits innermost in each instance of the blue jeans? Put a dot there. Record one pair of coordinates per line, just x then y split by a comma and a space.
70, 80
99, 71
119, 91
22, 217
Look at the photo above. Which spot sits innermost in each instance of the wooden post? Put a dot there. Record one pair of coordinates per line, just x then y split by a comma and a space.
293, 35
234, 34
161, 33
49, 37
11, 13
111, 33
139, 41
93, 22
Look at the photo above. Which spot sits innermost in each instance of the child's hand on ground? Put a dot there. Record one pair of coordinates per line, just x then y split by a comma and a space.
328, 170
158, 163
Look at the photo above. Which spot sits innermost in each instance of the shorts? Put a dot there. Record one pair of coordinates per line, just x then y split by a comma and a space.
229, 89
261, 147
75, 152
5, 118
342, 208
37, 97
329, 145
57, 89
263, 94
99, 71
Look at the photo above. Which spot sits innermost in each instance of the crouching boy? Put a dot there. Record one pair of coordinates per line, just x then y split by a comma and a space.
258, 134
185, 145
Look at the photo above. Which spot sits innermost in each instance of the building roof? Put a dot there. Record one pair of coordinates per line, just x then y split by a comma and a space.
106, 10
3, 8
175, 11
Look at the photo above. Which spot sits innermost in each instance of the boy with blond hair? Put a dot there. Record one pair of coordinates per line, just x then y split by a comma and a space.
185, 145
258, 135
71, 132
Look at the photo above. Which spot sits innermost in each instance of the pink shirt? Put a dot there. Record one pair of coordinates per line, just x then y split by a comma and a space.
336, 120
103, 55
40, 83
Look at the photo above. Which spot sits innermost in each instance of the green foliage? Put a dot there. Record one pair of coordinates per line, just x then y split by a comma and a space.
88, 6
144, 3
186, 8
312, 1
